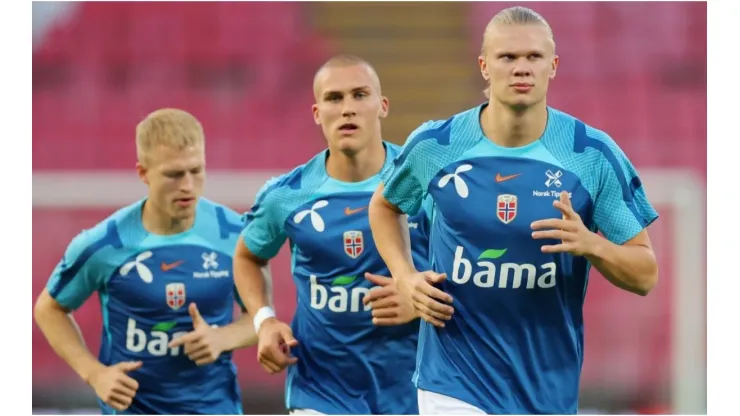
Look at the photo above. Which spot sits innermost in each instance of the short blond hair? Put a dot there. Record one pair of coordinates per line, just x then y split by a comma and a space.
169, 127
343, 60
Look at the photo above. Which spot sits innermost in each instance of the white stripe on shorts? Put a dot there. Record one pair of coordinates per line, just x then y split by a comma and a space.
304, 412
437, 404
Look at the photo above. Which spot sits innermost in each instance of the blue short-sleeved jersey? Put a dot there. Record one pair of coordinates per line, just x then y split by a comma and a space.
145, 283
515, 341
346, 365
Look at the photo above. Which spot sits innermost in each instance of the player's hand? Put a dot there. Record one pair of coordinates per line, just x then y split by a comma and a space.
275, 341
202, 345
576, 238
387, 304
113, 386
429, 303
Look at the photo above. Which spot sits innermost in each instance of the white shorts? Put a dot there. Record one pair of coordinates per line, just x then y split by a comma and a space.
304, 412
438, 404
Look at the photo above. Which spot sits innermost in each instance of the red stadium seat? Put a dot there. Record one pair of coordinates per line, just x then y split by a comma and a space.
216, 60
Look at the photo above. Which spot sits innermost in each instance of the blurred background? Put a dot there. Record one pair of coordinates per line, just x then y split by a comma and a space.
636, 70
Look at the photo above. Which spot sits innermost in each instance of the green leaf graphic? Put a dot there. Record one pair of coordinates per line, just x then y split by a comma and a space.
343, 280
164, 326
492, 254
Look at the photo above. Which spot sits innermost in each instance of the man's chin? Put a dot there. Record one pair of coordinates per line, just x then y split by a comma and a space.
350, 144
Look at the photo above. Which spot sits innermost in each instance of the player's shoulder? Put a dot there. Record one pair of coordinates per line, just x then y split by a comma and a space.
212, 208
107, 232
282, 194
392, 148
456, 130
221, 213
589, 152
571, 134
276, 189
306, 176
218, 224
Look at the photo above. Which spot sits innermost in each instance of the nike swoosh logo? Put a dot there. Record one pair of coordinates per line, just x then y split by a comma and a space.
166, 267
500, 178
350, 211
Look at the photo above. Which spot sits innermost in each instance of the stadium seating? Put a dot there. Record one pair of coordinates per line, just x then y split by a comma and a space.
245, 78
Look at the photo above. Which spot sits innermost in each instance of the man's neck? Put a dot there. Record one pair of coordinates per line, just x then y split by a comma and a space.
356, 167
158, 222
510, 128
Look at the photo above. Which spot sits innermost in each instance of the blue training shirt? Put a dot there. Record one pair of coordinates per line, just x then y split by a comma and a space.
346, 365
145, 283
515, 341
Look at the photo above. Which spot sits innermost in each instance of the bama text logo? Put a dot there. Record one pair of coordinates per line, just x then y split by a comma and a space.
337, 297
154, 342
504, 275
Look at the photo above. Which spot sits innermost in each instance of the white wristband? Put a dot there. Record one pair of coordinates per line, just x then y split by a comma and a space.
263, 313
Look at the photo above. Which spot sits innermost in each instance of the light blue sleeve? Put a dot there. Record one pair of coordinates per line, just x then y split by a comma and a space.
404, 183
621, 207
428, 206
80, 272
264, 231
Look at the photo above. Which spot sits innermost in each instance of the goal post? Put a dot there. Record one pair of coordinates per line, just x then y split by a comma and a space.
684, 192
680, 190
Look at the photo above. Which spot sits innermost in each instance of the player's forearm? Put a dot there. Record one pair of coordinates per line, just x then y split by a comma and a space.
253, 282
390, 233
239, 334
630, 267
65, 339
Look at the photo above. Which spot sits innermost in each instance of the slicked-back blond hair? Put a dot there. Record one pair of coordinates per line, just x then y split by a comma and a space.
516, 15
169, 127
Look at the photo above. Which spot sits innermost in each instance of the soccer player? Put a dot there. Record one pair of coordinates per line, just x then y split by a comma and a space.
520, 190
344, 355
162, 269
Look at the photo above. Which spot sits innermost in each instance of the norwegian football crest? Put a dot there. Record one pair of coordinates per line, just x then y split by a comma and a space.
175, 295
353, 243
506, 208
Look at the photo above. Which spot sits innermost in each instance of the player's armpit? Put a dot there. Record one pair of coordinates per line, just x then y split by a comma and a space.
631, 266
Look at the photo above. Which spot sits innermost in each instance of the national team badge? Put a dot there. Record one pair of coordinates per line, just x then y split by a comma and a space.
506, 208
175, 295
353, 243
